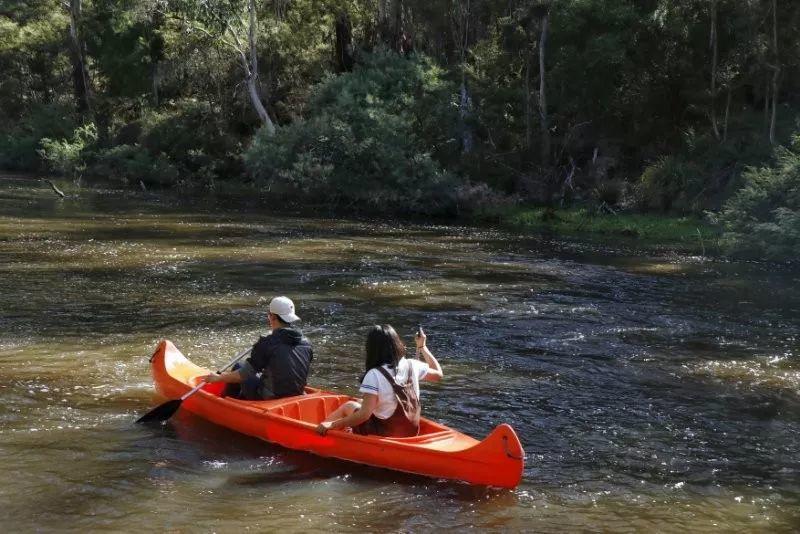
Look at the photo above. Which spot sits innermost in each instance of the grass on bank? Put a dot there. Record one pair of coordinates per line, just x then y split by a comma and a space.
685, 233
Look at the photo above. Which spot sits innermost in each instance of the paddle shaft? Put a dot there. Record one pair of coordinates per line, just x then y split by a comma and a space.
203, 383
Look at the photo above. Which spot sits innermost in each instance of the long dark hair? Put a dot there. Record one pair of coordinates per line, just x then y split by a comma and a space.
383, 347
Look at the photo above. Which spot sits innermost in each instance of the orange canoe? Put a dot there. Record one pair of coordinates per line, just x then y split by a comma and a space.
438, 451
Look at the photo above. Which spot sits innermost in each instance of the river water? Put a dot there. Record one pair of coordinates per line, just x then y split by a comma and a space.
650, 391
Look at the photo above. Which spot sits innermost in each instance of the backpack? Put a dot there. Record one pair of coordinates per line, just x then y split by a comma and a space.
405, 419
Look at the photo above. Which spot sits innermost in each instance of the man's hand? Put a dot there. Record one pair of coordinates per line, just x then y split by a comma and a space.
323, 427
210, 379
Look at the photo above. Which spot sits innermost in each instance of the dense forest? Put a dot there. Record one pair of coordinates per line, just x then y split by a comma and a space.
440, 107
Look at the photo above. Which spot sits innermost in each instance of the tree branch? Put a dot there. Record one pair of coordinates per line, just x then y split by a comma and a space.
240, 49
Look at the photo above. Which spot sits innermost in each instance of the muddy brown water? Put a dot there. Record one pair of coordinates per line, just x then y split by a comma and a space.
651, 391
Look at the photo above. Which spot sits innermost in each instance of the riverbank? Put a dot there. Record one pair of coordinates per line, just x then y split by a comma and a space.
661, 232
657, 231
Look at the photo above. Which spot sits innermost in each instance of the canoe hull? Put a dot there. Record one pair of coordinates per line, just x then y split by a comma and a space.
438, 451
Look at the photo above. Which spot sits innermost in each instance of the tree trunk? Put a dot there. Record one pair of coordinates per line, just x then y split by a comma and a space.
156, 83
766, 104
156, 53
463, 115
343, 47
80, 75
528, 103
727, 115
776, 71
252, 72
258, 106
713, 44
381, 23
397, 34
465, 102
390, 23
545, 129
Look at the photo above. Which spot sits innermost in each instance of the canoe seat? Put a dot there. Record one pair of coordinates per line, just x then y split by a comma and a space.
312, 409
425, 438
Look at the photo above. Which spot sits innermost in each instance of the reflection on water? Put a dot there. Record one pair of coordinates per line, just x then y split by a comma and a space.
649, 392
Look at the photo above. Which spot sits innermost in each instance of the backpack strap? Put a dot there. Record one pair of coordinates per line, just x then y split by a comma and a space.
390, 378
393, 381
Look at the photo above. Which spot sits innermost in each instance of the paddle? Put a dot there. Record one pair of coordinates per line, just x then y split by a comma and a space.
164, 411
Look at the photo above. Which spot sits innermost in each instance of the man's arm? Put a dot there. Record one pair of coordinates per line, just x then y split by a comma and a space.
259, 356
231, 377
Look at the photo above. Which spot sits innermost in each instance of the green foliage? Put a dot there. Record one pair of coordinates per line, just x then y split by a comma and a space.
704, 171
67, 157
19, 144
124, 44
362, 144
670, 181
763, 218
193, 135
33, 58
628, 87
689, 232
185, 143
609, 192
157, 149
18, 152
131, 164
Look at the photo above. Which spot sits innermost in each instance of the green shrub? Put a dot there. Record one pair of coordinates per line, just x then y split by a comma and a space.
186, 143
185, 129
363, 141
705, 171
68, 156
19, 142
609, 192
18, 152
672, 182
130, 164
763, 217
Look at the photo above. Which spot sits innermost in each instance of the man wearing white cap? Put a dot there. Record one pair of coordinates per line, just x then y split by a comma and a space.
282, 359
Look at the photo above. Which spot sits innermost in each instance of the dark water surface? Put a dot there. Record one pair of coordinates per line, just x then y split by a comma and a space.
651, 392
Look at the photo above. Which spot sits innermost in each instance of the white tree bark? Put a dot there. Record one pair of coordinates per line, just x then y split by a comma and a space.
727, 113
250, 66
776, 72
80, 74
252, 79
545, 129
465, 102
766, 105
713, 44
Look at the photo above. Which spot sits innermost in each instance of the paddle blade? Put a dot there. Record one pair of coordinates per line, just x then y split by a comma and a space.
161, 412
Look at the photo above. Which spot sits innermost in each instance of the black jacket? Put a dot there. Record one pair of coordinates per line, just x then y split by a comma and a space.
283, 358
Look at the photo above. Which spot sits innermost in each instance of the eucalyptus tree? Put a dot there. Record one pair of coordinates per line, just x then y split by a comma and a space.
234, 25
80, 72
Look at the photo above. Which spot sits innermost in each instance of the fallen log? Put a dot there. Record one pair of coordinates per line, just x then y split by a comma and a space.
58, 191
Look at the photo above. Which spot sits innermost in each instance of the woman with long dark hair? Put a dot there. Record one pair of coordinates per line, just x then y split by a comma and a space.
390, 385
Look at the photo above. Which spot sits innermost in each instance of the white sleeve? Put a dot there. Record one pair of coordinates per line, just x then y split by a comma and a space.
370, 382
420, 368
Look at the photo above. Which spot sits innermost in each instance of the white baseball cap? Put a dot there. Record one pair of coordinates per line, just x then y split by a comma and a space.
283, 307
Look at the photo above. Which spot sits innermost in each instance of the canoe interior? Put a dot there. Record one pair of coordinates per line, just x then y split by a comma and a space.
315, 407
